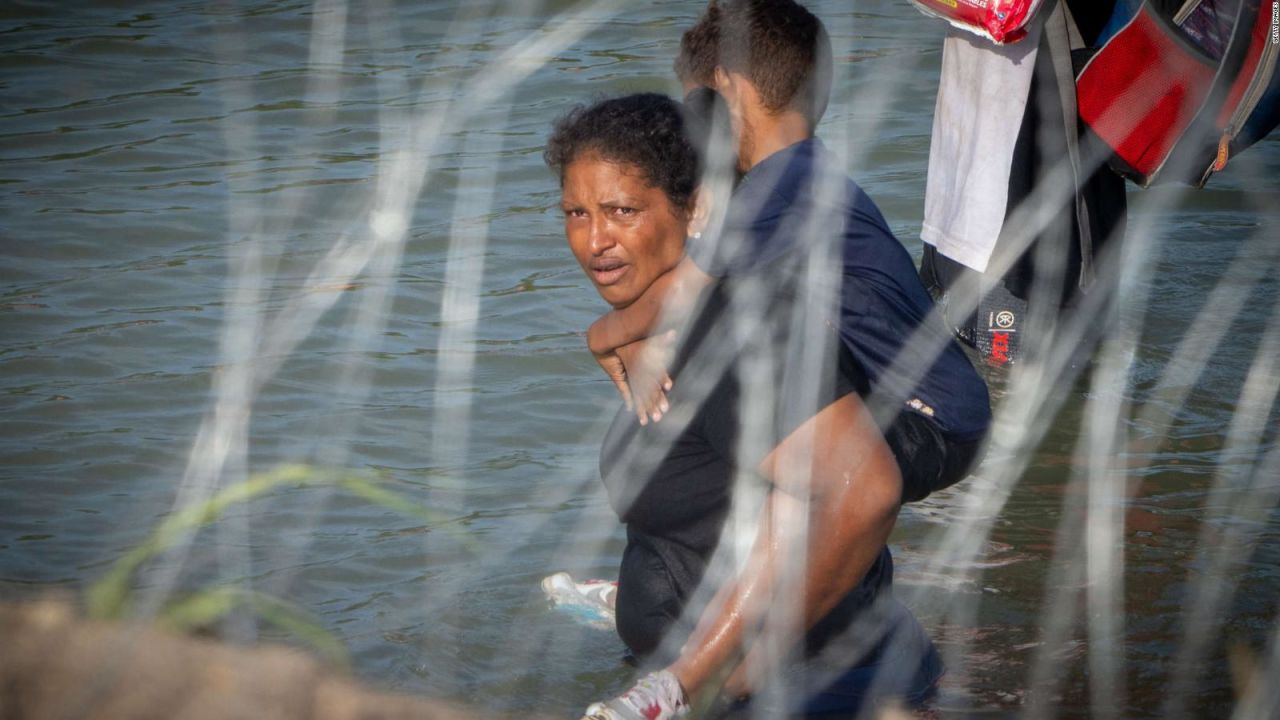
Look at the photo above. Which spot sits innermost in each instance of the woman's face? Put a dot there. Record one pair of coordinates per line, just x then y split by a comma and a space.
623, 231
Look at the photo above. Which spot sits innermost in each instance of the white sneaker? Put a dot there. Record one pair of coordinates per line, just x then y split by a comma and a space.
656, 696
591, 602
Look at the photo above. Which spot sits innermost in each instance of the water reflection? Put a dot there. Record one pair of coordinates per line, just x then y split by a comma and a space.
171, 176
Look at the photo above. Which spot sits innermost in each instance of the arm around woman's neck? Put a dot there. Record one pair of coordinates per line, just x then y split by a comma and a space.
674, 290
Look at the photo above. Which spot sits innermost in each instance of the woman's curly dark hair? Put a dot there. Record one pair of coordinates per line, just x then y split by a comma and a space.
645, 130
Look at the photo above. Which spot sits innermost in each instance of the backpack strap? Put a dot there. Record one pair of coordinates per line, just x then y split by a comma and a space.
1073, 30
1059, 29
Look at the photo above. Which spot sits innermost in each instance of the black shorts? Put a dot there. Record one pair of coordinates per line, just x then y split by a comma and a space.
928, 458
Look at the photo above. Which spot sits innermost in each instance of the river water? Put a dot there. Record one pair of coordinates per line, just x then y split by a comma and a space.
173, 174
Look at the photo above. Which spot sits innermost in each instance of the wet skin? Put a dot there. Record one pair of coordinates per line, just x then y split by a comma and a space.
624, 232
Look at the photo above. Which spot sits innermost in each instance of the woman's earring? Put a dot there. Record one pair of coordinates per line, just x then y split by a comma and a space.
697, 236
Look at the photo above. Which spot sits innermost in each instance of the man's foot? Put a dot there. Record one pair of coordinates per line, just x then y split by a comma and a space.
591, 601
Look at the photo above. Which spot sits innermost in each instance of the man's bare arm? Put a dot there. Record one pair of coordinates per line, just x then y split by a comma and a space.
839, 462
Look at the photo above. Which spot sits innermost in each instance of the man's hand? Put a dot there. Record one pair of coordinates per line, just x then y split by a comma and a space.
645, 362
656, 696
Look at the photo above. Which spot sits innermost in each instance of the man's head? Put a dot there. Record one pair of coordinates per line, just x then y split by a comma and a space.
695, 66
781, 49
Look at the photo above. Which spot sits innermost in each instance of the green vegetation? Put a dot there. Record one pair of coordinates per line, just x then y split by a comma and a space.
109, 598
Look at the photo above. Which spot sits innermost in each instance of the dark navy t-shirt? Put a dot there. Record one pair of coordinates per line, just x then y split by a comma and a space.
673, 482
796, 214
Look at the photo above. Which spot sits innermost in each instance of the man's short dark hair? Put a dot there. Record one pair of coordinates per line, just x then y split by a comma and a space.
646, 131
700, 50
782, 49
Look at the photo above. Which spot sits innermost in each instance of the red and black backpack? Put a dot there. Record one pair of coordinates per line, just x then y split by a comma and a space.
1177, 96
1176, 89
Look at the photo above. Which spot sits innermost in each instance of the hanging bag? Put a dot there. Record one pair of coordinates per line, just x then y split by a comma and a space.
1001, 21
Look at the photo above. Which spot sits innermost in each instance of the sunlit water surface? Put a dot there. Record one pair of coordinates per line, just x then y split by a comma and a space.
146, 147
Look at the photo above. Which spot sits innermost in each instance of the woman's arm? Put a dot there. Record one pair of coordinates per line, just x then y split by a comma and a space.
675, 288
623, 342
836, 472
